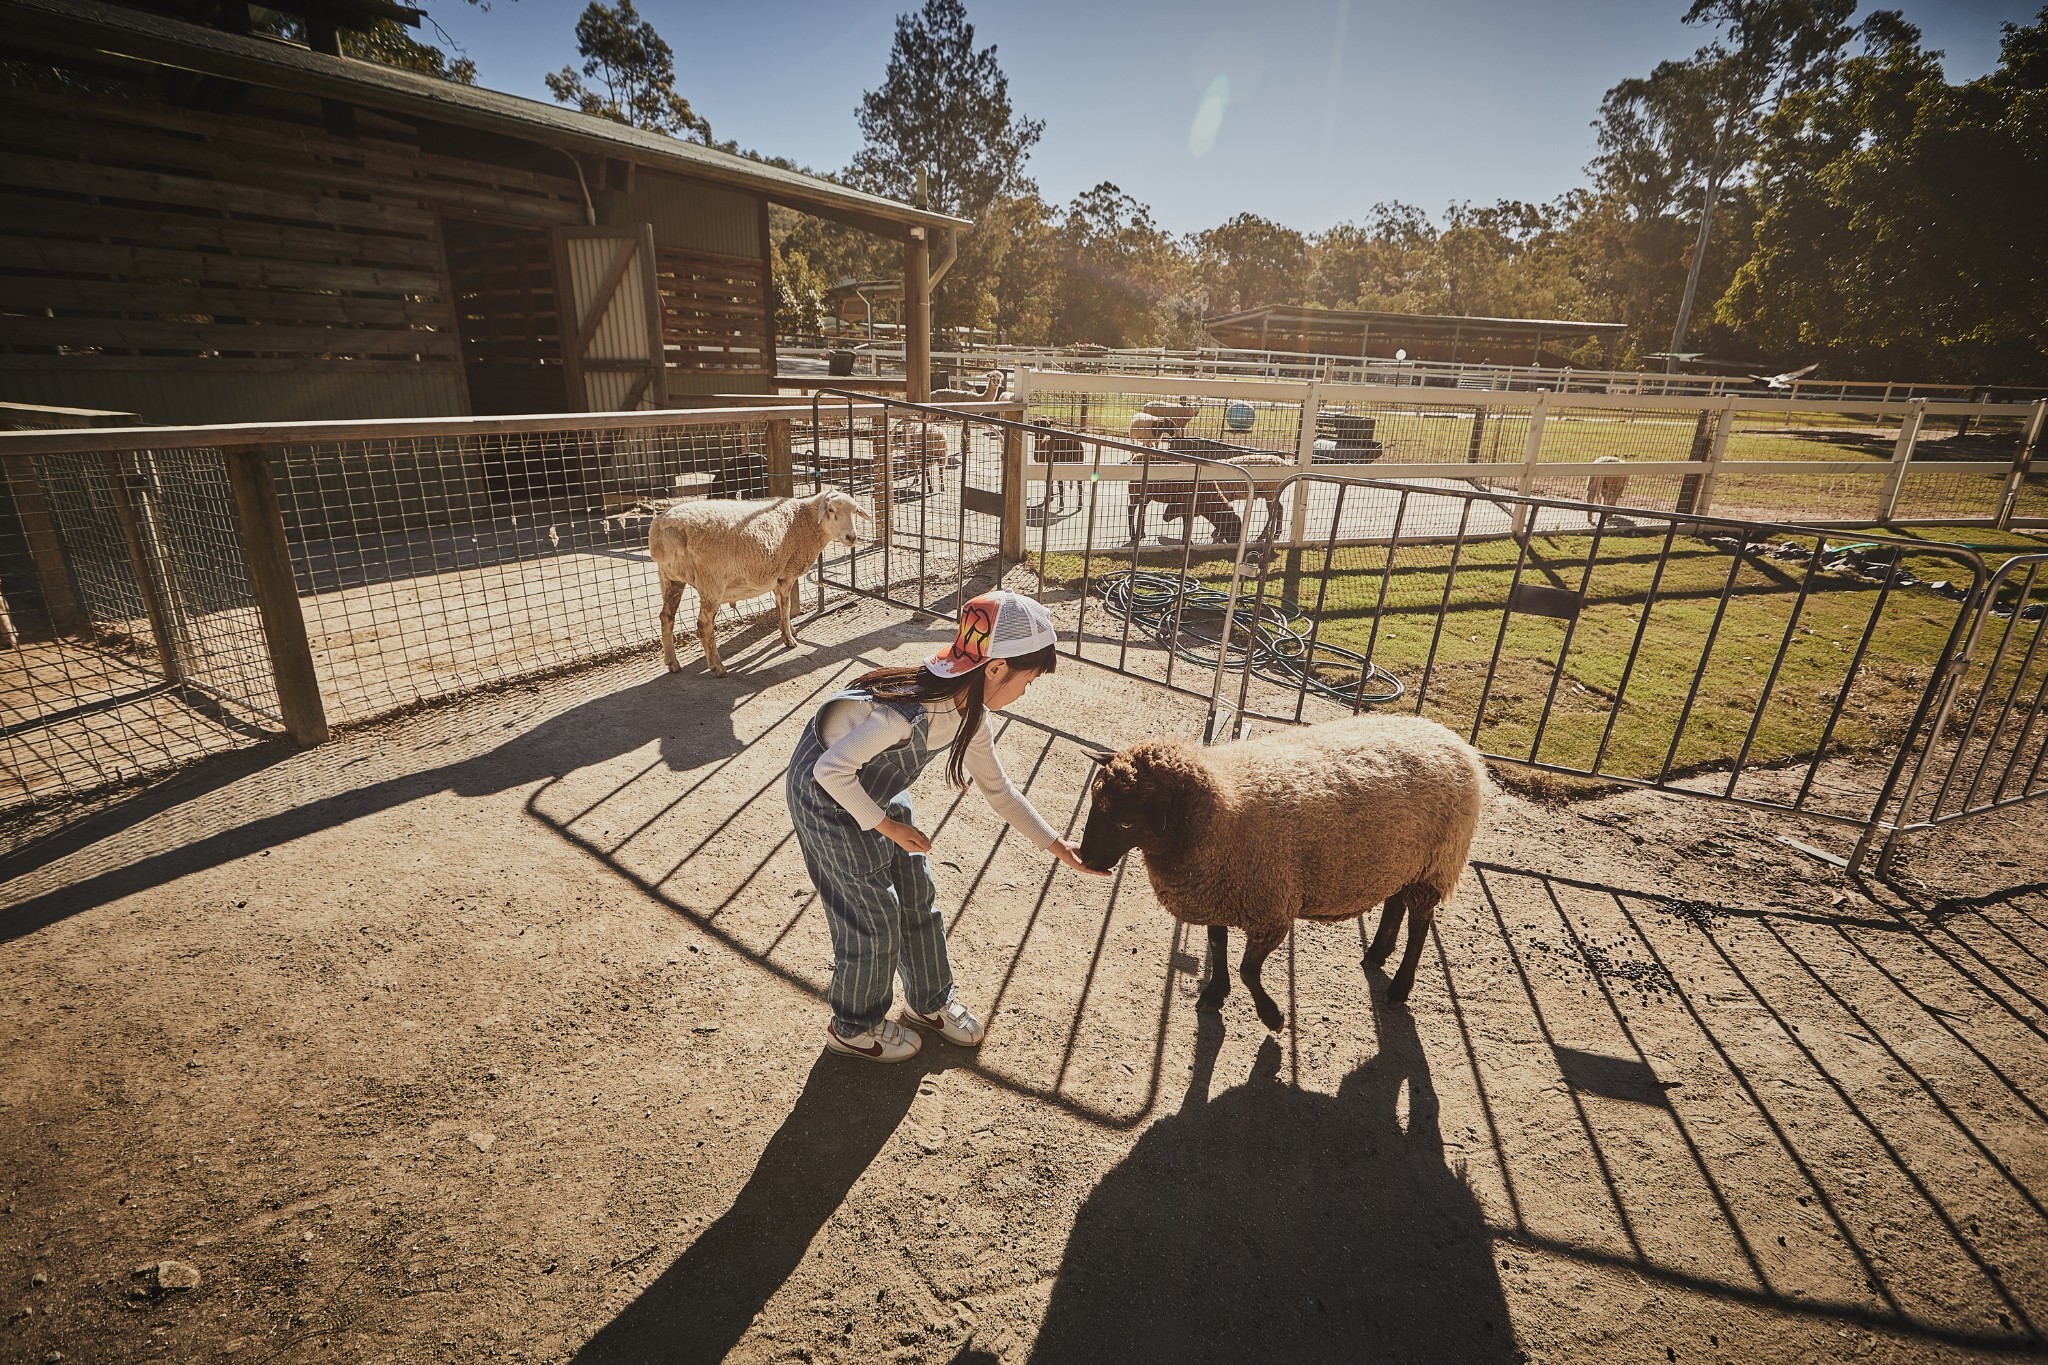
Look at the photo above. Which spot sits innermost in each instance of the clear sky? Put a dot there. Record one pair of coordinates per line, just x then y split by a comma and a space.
1304, 111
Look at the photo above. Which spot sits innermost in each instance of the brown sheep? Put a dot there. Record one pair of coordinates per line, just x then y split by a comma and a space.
1319, 823
1606, 489
1218, 497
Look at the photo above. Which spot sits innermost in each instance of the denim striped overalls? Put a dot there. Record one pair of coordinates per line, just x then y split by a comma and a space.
879, 901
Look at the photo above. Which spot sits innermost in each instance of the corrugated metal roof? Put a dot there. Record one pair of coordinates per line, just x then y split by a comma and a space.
269, 62
1333, 319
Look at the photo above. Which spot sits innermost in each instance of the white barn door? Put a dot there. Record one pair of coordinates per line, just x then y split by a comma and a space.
611, 318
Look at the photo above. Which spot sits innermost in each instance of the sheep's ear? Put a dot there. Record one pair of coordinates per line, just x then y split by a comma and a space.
862, 513
1101, 758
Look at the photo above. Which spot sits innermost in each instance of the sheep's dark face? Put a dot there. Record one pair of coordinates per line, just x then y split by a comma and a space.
1124, 809
1111, 831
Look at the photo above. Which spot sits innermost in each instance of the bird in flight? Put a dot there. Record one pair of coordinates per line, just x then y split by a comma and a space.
1785, 380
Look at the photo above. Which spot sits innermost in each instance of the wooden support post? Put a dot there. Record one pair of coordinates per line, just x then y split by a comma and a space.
781, 468
917, 318
1478, 442
1013, 492
2022, 462
1703, 441
1532, 451
39, 528
1304, 462
1724, 427
1902, 458
277, 595
143, 560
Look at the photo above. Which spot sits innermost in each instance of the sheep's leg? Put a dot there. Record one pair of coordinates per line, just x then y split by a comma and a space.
1421, 914
1256, 949
784, 594
707, 635
1212, 995
671, 598
1390, 929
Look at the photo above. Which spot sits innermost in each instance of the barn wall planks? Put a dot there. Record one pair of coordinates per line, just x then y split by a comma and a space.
200, 267
215, 393
688, 215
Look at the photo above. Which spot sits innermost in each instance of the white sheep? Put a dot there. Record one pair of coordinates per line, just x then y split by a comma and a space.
1606, 489
1155, 422
733, 549
1320, 823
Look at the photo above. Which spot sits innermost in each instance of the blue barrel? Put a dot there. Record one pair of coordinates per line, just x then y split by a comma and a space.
1239, 416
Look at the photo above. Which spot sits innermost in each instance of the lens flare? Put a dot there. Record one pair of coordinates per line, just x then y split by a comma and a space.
1209, 116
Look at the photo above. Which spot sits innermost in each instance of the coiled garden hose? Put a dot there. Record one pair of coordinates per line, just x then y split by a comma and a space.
1187, 617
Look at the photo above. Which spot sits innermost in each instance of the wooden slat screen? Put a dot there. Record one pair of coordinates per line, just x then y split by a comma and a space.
143, 234
715, 313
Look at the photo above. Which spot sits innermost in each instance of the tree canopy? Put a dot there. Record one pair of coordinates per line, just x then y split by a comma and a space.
1823, 191
631, 73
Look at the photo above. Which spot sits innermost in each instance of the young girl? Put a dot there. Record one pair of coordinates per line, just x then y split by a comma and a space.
849, 798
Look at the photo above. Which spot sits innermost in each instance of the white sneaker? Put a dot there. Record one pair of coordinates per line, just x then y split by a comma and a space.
953, 1023
887, 1041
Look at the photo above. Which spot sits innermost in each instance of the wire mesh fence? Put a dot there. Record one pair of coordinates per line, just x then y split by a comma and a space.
432, 565
136, 643
1741, 458
1500, 576
425, 559
935, 481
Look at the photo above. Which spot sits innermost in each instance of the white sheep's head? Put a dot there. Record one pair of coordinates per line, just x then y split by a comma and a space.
838, 513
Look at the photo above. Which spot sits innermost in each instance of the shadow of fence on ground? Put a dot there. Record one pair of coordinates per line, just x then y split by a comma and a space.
1832, 1117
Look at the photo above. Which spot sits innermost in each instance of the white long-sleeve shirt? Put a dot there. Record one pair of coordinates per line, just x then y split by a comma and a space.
855, 729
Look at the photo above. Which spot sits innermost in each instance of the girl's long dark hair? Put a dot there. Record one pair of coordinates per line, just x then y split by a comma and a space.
921, 684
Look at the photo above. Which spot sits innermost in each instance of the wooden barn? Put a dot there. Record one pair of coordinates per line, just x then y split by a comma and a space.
199, 225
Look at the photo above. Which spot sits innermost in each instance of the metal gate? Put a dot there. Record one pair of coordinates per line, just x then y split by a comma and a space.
1987, 748
952, 518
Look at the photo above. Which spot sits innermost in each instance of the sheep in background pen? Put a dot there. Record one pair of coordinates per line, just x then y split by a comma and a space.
732, 549
1155, 422
1054, 445
1606, 489
992, 389
1216, 502
1320, 823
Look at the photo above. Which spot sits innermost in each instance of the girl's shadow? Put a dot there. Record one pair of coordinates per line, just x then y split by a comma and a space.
702, 1305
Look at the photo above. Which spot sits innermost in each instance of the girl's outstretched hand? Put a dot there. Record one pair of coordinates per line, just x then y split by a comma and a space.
1071, 856
906, 837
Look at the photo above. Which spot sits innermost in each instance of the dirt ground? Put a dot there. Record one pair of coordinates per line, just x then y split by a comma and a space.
494, 1033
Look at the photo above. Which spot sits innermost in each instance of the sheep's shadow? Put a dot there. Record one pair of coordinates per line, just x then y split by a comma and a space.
1273, 1223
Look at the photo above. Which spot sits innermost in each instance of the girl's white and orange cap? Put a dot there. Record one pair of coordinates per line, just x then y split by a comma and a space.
996, 625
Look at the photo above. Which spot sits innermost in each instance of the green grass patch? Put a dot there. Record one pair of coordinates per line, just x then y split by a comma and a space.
1550, 699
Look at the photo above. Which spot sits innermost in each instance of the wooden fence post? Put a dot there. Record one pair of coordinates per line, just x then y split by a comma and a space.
1532, 451
269, 557
39, 529
146, 559
1724, 427
2022, 462
1902, 458
1012, 548
781, 468
1304, 461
